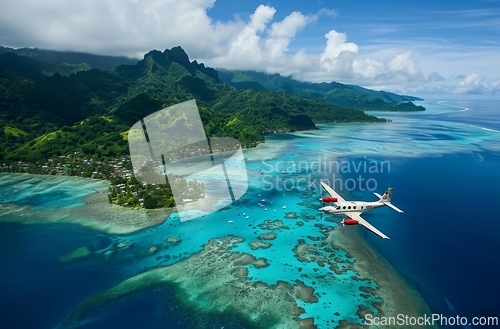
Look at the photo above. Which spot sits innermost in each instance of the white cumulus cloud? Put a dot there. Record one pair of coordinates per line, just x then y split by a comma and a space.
474, 83
435, 76
471, 84
260, 42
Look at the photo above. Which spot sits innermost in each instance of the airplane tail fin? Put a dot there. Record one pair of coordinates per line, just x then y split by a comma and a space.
387, 196
386, 199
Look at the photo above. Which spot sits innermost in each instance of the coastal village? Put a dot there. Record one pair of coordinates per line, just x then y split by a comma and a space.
124, 190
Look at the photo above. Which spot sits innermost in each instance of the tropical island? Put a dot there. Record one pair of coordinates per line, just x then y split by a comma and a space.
70, 113
73, 120
124, 190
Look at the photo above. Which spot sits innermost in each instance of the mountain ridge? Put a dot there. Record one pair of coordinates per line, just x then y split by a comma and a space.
331, 91
91, 110
350, 96
70, 57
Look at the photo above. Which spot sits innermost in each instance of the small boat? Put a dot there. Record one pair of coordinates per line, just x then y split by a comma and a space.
230, 221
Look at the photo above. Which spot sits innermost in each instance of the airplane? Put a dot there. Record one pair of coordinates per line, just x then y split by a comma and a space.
353, 209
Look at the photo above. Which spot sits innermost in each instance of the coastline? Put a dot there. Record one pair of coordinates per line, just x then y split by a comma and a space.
367, 256
397, 294
91, 210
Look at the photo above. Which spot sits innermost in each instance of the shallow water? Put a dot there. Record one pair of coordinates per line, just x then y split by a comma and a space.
443, 165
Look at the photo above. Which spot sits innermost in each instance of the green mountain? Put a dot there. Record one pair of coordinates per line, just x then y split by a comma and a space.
349, 96
46, 113
70, 58
278, 111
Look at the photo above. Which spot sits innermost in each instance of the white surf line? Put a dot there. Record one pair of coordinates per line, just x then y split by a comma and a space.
487, 129
446, 103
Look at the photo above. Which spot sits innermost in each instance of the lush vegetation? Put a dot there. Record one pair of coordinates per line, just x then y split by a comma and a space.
70, 58
129, 191
90, 111
348, 96
277, 111
61, 115
125, 188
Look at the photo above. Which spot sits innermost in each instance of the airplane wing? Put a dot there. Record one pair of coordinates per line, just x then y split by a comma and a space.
332, 192
361, 221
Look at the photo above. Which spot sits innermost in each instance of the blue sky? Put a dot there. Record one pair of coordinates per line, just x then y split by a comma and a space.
462, 22
408, 46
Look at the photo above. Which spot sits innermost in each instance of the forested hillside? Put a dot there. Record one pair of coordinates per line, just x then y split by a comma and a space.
349, 96
46, 110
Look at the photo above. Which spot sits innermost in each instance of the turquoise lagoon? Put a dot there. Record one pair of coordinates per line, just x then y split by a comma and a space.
442, 163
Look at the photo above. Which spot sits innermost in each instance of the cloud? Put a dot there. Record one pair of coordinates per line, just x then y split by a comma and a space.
471, 84
495, 86
339, 59
133, 27
434, 76
475, 83
113, 27
264, 45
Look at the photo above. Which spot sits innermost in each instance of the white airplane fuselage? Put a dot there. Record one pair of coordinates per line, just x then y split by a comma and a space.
351, 206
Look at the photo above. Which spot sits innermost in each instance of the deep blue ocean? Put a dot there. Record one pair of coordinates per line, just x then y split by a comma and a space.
448, 243
445, 171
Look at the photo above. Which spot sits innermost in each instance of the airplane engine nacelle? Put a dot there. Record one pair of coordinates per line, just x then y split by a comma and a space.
350, 221
329, 199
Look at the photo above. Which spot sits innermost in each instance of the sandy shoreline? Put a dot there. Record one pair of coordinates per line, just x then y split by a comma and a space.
101, 216
398, 296
96, 214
